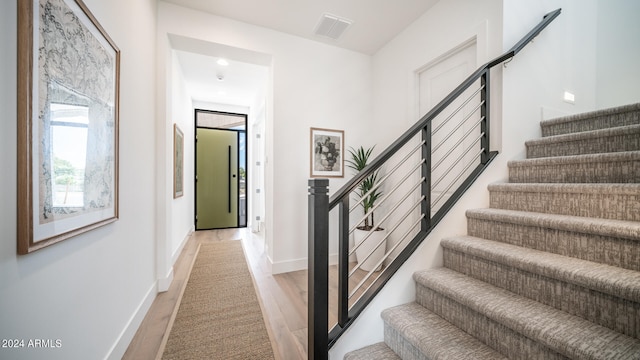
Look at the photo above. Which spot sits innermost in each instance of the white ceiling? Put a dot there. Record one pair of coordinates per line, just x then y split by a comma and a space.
375, 22
238, 83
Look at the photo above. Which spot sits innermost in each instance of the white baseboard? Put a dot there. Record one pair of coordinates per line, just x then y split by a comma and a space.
165, 282
288, 266
124, 339
176, 254
296, 265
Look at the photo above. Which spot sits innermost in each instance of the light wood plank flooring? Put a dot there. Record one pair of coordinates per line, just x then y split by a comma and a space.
283, 298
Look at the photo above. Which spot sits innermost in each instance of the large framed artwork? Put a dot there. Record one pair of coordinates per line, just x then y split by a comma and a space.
178, 162
326, 153
68, 89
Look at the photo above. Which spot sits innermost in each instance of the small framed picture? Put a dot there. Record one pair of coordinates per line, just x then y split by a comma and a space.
178, 162
327, 153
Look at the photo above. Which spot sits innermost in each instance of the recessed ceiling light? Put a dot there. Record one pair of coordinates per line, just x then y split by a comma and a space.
222, 62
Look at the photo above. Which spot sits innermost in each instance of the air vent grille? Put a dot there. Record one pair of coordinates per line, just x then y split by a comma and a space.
332, 26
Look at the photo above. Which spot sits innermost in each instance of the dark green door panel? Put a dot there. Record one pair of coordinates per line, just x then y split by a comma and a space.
216, 179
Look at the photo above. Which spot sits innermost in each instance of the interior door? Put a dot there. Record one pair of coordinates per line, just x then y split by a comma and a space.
216, 179
436, 82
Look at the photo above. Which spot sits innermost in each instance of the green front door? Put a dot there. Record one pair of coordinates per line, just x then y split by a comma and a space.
216, 179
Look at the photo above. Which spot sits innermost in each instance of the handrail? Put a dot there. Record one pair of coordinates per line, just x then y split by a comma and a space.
319, 337
347, 188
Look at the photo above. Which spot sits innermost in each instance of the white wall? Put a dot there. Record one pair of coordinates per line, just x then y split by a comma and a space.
445, 26
562, 58
312, 85
182, 208
591, 50
91, 291
618, 45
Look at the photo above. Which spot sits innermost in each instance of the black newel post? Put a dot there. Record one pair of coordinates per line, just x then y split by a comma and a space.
318, 312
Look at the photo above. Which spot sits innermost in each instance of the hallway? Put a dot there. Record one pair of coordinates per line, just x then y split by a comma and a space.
283, 298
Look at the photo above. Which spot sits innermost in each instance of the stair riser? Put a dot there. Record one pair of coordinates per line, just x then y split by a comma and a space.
608, 144
600, 172
594, 123
376, 351
613, 251
598, 205
491, 333
603, 309
400, 345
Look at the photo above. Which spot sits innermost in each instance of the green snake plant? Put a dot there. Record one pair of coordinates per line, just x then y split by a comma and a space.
358, 161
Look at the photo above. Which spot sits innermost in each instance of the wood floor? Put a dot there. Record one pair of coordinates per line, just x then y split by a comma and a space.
283, 298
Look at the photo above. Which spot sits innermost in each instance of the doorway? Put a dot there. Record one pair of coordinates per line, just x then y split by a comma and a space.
221, 170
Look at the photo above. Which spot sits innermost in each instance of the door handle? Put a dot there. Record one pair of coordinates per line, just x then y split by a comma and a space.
229, 181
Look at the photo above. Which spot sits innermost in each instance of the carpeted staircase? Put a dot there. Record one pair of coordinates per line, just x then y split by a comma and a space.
551, 270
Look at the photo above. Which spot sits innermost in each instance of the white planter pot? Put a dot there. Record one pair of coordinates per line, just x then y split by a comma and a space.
368, 247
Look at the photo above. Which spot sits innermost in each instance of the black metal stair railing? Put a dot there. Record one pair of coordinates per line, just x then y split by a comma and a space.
426, 171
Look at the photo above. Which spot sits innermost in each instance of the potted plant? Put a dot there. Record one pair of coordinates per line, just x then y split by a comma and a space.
369, 194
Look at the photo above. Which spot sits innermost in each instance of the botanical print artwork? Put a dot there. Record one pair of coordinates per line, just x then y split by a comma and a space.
76, 116
326, 152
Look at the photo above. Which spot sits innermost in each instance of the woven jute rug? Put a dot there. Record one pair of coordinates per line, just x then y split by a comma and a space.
219, 316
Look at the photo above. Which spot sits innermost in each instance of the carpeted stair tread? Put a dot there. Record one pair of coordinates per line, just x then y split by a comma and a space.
571, 159
616, 167
593, 120
621, 189
609, 201
567, 334
430, 336
595, 226
593, 239
624, 138
377, 351
556, 286
607, 279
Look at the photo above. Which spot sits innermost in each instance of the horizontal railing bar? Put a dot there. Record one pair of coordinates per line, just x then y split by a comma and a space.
457, 161
408, 250
382, 200
381, 181
456, 179
462, 139
398, 203
364, 280
405, 253
436, 147
403, 139
370, 232
457, 110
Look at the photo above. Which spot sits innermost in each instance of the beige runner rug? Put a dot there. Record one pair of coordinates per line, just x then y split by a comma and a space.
219, 316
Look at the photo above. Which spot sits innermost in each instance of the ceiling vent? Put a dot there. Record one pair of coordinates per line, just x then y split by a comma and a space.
332, 26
